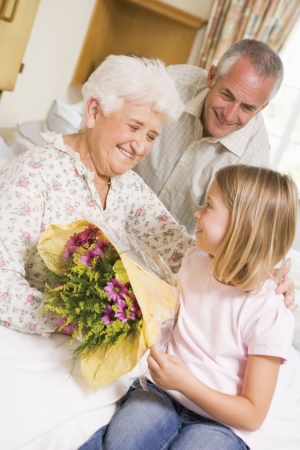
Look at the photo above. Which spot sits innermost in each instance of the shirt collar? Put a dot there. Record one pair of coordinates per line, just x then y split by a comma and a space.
57, 141
195, 105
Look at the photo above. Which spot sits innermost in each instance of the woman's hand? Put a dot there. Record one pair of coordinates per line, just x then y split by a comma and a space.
167, 372
286, 286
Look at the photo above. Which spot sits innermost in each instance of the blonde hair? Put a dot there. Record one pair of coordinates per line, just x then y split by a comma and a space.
263, 205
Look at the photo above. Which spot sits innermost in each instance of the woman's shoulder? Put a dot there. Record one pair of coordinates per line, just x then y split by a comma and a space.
132, 178
36, 164
40, 151
135, 186
30, 160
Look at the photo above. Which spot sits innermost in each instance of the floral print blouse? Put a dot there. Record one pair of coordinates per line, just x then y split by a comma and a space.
50, 185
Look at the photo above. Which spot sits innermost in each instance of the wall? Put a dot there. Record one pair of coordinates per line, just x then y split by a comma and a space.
50, 58
51, 55
198, 7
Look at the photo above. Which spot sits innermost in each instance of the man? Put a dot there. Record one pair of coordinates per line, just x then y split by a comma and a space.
220, 125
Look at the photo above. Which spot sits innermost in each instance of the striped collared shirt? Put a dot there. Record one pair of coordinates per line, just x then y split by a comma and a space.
182, 163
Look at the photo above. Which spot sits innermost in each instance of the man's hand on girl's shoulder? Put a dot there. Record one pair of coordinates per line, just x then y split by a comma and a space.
286, 286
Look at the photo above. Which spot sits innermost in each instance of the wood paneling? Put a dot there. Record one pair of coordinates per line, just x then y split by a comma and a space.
143, 27
170, 11
14, 36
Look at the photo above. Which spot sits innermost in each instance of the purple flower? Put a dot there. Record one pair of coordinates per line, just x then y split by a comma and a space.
115, 289
132, 298
67, 254
68, 328
73, 245
86, 259
75, 242
109, 315
102, 248
61, 321
124, 313
90, 234
121, 313
135, 306
136, 310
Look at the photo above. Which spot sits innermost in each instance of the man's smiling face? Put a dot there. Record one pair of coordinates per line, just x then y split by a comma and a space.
234, 98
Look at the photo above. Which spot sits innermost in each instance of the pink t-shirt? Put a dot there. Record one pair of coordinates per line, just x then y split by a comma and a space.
219, 325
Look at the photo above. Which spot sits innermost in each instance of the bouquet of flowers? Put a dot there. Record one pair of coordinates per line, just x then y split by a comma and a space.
108, 300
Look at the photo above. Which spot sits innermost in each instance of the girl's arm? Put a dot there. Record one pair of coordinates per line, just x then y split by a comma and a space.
247, 411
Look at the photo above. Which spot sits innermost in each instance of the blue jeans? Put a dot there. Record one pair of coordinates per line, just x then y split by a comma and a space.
152, 420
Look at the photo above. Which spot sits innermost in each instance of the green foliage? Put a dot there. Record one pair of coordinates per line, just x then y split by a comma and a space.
79, 301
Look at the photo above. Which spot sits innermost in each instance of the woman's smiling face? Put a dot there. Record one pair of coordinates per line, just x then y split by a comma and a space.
118, 141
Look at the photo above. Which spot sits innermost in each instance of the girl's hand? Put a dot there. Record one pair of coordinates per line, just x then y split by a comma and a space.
167, 371
286, 286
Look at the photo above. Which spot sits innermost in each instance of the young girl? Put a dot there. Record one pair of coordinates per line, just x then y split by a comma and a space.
214, 386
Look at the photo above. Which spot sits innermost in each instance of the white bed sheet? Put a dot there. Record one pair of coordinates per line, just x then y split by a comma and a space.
44, 407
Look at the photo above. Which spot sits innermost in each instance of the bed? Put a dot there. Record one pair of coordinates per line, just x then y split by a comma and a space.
46, 405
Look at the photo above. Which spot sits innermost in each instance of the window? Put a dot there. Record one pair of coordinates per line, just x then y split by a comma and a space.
282, 115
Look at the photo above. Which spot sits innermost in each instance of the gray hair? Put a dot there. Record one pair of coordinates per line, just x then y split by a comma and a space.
263, 59
130, 78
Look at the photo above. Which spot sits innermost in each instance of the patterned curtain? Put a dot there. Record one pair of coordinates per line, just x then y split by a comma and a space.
270, 21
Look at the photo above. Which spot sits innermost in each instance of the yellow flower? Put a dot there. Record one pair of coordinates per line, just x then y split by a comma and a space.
120, 272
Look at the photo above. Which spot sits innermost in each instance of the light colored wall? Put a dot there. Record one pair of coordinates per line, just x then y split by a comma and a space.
198, 7
50, 59
52, 53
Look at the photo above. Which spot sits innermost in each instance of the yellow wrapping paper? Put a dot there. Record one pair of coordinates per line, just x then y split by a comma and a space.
156, 298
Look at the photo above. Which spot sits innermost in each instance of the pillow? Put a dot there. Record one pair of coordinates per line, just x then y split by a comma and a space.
6, 155
63, 118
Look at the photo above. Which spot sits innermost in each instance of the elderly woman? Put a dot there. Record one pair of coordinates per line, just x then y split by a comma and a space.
87, 174
83, 175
